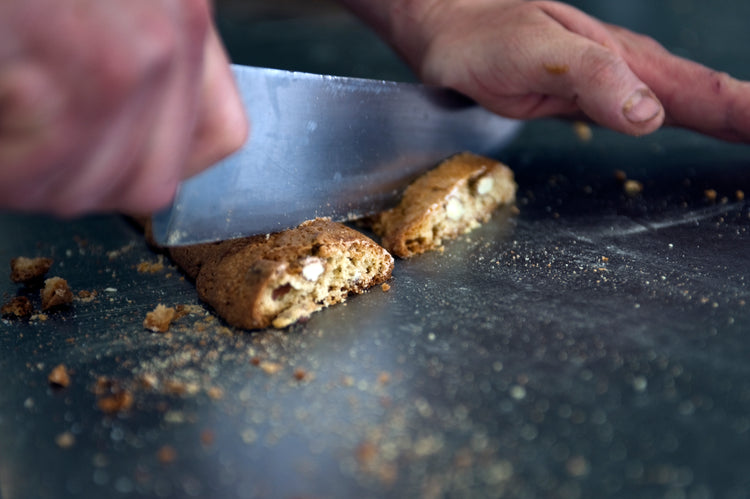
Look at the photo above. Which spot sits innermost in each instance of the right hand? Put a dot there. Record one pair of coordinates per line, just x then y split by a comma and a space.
108, 105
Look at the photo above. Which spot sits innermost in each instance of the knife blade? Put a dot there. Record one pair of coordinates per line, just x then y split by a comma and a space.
324, 146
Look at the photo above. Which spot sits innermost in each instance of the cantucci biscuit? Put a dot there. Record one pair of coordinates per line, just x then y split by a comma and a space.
454, 198
277, 279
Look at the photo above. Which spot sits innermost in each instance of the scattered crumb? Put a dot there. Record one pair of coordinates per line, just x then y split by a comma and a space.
605, 259
215, 393
740, 195
710, 194
151, 267
620, 176
385, 287
556, 69
27, 270
300, 374
65, 440
166, 454
59, 376
149, 381
632, 187
112, 255
175, 387
365, 453
583, 131
120, 401
577, 466
384, 378
207, 437
85, 296
56, 293
159, 319
20, 306
270, 367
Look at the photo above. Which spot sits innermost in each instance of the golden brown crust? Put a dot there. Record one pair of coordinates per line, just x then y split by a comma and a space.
442, 204
279, 278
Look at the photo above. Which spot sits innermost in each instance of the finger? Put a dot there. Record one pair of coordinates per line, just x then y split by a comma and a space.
584, 67
222, 126
694, 96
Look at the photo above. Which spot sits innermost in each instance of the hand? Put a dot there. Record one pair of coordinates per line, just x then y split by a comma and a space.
108, 105
530, 59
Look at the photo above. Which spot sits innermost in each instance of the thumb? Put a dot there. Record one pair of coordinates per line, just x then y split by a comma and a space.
608, 91
222, 126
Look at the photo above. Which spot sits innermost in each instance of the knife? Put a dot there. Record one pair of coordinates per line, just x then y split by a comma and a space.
324, 146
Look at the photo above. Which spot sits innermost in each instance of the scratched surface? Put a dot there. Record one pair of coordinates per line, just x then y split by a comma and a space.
592, 345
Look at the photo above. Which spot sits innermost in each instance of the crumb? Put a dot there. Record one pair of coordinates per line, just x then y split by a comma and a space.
270, 367
149, 381
120, 401
159, 319
255, 361
385, 287
300, 374
215, 393
151, 267
632, 187
85, 296
583, 131
207, 437
710, 194
175, 387
20, 306
365, 453
102, 386
39, 317
59, 376
65, 440
620, 176
56, 293
740, 195
605, 259
384, 378
166, 454
556, 69
28, 270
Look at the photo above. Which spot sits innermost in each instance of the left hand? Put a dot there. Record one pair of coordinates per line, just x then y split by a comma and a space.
530, 59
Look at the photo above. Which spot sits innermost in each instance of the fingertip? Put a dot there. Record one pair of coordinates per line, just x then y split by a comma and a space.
643, 110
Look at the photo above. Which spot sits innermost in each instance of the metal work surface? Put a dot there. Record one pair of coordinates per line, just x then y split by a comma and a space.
594, 344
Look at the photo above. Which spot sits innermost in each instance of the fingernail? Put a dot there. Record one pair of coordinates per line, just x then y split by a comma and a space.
641, 107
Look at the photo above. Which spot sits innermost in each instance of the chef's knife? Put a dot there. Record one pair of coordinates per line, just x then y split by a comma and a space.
324, 146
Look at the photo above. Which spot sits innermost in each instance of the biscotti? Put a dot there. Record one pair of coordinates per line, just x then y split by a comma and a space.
277, 279
450, 200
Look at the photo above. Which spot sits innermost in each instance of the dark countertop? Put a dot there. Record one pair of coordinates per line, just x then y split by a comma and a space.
594, 345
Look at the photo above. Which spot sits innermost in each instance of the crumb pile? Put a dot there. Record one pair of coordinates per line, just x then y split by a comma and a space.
53, 292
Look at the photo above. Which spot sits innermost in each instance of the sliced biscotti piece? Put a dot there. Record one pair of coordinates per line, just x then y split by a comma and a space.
450, 200
277, 279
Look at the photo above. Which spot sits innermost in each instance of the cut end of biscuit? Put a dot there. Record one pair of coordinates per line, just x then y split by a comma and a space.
454, 198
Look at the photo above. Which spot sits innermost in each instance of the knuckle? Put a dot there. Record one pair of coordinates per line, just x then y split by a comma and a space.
601, 67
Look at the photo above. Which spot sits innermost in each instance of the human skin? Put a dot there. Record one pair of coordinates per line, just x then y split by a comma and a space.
531, 59
108, 105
